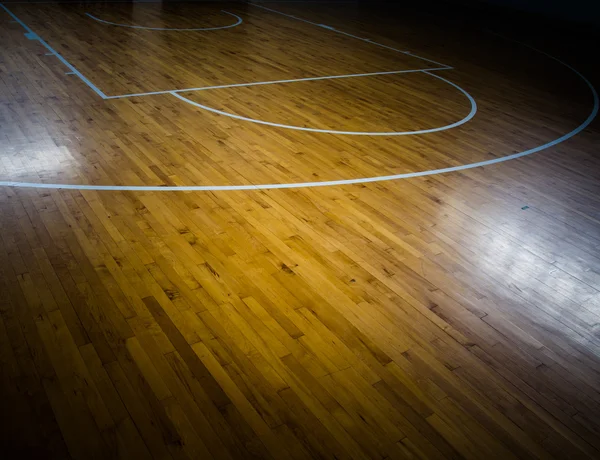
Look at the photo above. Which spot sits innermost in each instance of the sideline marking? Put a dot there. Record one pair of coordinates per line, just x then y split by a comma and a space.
324, 26
350, 133
56, 53
239, 21
364, 180
158, 188
271, 82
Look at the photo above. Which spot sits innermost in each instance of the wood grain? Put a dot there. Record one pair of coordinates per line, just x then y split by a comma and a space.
446, 316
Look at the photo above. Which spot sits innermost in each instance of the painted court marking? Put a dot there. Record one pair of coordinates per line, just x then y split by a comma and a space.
350, 133
324, 26
31, 33
237, 23
104, 96
273, 82
580, 128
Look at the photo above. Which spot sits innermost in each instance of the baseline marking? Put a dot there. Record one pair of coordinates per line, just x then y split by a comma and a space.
54, 52
272, 82
239, 21
155, 188
324, 26
350, 133
104, 96
363, 180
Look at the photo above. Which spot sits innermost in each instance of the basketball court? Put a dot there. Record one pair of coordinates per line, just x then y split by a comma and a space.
295, 229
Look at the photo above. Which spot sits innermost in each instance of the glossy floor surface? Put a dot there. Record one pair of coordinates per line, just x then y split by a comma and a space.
173, 284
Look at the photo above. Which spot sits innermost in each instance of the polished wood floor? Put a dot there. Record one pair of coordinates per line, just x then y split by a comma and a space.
445, 316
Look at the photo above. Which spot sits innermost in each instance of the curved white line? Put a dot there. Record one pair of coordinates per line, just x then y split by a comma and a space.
239, 21
201, 188
349, 133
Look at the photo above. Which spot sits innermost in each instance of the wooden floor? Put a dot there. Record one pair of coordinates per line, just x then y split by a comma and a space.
450, 315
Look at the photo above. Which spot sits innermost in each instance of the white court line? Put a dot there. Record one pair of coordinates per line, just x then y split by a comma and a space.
350, 133
55, 53
272, 82
363, 180
325, 26
239, 21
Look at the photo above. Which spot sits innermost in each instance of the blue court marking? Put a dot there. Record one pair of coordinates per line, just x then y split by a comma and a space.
350, 133
237, 23
272, 82
31, 36
53, 51
324, 26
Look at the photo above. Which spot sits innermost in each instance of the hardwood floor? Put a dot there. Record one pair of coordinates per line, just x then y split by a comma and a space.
450, 315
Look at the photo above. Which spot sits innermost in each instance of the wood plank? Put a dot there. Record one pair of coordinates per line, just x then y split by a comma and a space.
451, 315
